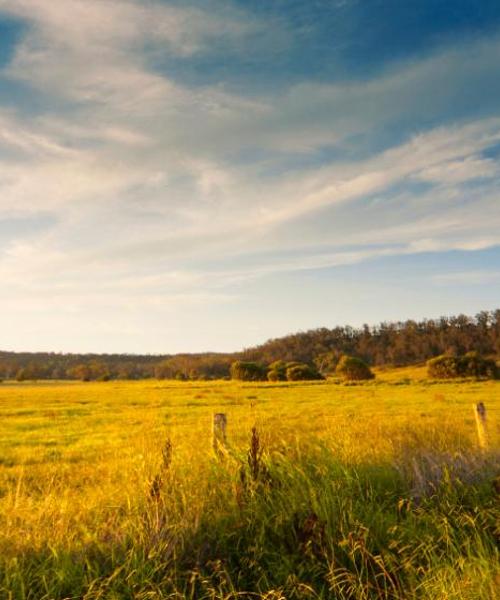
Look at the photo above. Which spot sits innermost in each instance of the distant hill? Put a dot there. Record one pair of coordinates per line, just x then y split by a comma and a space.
394, 343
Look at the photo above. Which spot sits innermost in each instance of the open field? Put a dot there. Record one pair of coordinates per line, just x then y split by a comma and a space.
362, 491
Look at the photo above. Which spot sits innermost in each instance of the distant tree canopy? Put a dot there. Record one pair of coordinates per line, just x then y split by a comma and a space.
45, 365
395, 344
277, 370
194, 366
302, 372
352, 368
93, 370
248, 371
327, 362
469, 365
292, 371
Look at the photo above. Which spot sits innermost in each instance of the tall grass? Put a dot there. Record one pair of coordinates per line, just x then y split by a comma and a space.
374, 491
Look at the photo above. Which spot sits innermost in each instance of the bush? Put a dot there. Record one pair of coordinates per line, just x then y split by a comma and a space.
352, 368
327, 362
443, 367
277, 371
23, 374
302, 372
275, 376
471, 364
248, 371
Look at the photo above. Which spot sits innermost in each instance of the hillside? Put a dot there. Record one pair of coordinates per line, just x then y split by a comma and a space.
395, 343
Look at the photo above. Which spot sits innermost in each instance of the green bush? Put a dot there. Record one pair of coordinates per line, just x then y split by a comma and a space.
352, 368
277, 371
443, 367
275, 376
471, 364
248, 371
302, 372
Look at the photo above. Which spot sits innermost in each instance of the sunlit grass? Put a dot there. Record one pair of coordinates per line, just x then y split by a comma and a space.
373, 491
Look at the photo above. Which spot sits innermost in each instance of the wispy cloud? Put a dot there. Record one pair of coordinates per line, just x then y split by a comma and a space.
479, 277
159, 189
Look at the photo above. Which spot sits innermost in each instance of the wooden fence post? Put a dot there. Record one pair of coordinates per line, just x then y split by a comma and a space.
481, 425
219, 438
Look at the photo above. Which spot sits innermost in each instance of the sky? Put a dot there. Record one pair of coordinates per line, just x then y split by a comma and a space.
206, 175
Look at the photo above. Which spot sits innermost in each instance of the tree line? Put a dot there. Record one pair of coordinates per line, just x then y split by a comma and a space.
389, 343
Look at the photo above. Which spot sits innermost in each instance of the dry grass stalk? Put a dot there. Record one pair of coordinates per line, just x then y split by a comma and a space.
157, 483
425, 471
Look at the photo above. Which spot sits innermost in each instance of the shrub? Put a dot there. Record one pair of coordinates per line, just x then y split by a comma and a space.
352, 368
302, 372
327, 362
443, 367
277, 371
248, 371
23, 374
471, 364
82, 372
275, 376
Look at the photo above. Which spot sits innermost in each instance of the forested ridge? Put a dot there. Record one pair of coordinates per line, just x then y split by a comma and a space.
389, 343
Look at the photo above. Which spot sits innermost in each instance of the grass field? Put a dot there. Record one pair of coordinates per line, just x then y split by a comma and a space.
112, 490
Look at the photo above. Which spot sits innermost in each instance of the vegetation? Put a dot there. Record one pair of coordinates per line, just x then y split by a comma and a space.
302, 372
194, 366
248, 371
468, 365
292, 371
396, 344
351, 368
277, 370
112, 491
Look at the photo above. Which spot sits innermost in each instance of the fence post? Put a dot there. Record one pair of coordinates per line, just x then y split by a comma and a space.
481, 425
219, 438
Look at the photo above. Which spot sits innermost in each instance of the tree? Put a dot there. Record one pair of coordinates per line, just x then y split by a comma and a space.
327, 362
302, 372
82, 372
471, 364
29, 372
352, 368
277, 371
248, 371
275, 376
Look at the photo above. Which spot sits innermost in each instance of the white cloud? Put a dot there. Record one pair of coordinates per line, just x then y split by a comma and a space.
157, 186
460, 171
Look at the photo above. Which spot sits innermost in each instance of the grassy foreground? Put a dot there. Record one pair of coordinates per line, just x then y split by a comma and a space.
112, 490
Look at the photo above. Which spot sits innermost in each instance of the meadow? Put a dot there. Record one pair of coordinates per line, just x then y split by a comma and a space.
324, 490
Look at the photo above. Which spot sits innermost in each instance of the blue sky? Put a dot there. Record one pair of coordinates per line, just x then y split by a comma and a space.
189, 176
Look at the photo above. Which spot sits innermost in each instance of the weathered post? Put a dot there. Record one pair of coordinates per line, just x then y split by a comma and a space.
481, 425
219, 439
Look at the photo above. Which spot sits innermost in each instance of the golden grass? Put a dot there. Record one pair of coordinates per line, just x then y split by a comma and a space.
77, 461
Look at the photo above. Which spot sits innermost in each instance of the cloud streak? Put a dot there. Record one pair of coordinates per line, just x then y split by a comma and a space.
154, 189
